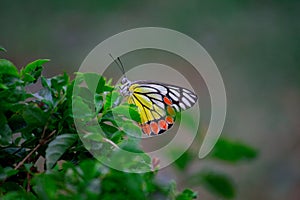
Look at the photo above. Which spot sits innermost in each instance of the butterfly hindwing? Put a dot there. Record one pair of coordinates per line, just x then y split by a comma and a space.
158, 104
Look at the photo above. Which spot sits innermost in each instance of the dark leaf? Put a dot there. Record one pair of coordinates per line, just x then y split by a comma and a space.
5, 131
22, 195
16, 121
10, 186
58, 147
117, 137
232, 151
35, 116
217, 183
7, 172
45, 185
108, 129
184, 160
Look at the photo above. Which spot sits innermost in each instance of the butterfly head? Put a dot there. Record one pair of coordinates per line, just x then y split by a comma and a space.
124, 88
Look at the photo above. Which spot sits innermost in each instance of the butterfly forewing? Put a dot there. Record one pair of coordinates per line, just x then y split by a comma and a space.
158, 104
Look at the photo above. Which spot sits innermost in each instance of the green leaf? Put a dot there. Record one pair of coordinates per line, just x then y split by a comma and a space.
108, 129
98, 101
108, 88
59, 83
184, 160
55, 89
8, 68
131, 145
58, 147
5, 131
217, 183
35, 116
45, 185
89, 169
95, 136
129, 111
46, 83
3, 86
187, 194
22, 195
34, 66
28, 166
232, 151
87, 97
112, 100
7, 172
117, 137
95, 82
2, 49
134, 113
16, 121
130, 128
31, 72
81, 111
133, 161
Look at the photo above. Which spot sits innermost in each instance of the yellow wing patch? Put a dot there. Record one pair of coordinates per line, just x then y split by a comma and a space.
158, 103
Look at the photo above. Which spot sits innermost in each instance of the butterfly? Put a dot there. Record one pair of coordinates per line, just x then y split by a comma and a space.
157, 103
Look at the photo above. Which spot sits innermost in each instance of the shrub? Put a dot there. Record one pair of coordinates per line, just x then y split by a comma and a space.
38, 127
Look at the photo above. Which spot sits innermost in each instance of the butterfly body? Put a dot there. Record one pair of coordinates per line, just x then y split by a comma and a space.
157, 103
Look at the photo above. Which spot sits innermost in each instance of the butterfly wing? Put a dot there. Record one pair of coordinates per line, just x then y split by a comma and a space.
158, 104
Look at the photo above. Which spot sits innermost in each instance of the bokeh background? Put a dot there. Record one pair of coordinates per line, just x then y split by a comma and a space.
255, 44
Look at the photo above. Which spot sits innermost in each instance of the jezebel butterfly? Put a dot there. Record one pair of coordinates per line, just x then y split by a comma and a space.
157, 102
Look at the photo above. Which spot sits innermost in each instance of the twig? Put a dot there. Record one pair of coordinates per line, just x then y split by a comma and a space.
34, 150
45, 127
31, 152
110, 142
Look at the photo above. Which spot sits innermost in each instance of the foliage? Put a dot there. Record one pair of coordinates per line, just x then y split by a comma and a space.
230, 152
42, 124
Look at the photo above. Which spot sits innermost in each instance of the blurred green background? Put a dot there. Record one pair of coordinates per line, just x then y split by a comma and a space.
255, 44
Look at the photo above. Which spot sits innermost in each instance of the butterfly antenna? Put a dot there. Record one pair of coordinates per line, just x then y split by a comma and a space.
119, 63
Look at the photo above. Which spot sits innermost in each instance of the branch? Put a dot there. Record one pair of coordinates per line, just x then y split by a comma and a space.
35, 149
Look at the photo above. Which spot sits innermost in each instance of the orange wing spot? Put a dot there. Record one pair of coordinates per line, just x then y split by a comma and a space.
163, 124
171, 110
154, 127
146, 129
169, 120
167, 101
